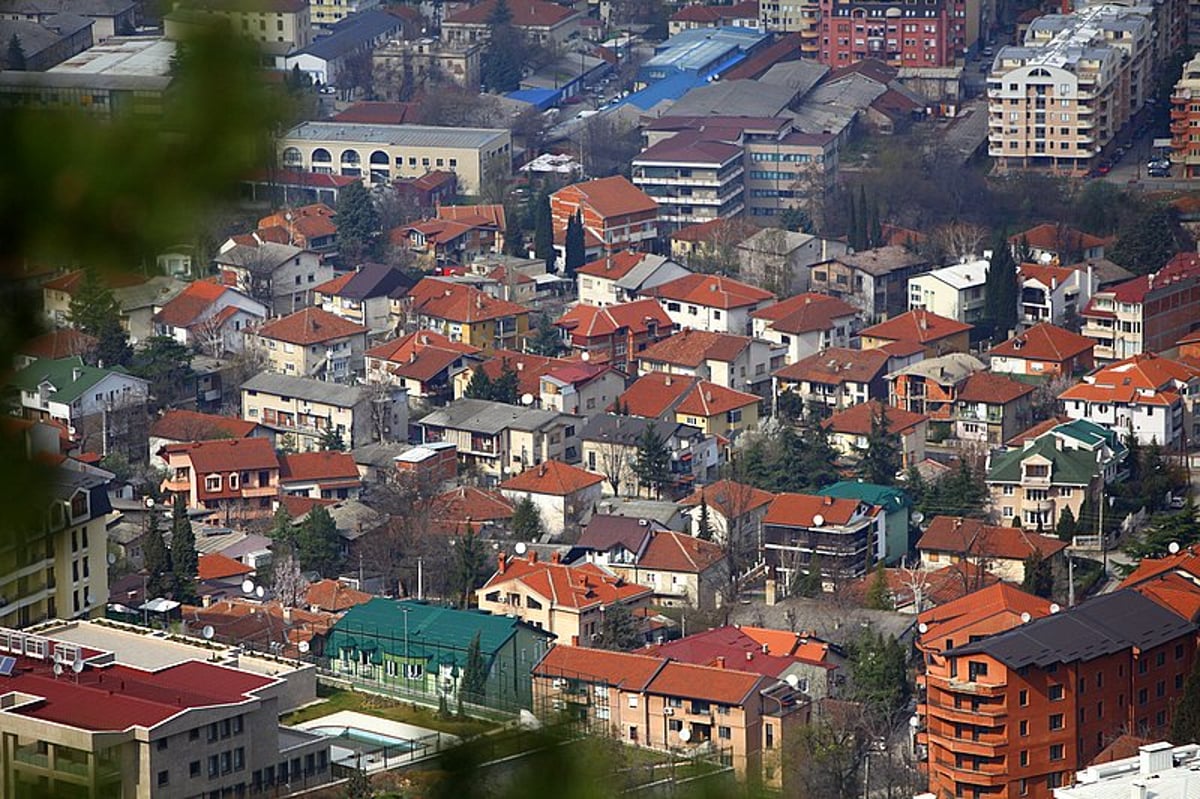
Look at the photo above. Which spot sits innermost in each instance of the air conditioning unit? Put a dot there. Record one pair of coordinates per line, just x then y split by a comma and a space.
559, 682
668, 711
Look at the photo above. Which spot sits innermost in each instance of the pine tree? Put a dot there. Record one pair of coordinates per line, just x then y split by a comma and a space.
1066, 527
704, 530
876, 231
620, 630
653, 462
547, 341
156, 558
94, 310
882, 460
575, 246
1039, 576
332, 441
507, 387
473, 687
185, 564
479, 386
283, 532
15, 59
543, 231
1185, 727
470, 562
527, 521
358, 221
879, 594
318, 544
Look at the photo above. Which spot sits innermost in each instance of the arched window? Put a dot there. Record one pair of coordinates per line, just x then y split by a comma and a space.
321, 156
379, 157
292, 157
350, 157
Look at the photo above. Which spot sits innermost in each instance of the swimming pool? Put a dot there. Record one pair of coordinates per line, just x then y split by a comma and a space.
366, 740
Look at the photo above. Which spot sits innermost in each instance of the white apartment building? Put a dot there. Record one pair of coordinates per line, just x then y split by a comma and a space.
955, 292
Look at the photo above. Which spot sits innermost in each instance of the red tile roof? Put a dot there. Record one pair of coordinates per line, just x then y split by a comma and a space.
310, 326
334, 596
567, 587
320, 467
989, 610
552, 477
112, 278
857, 419
651, 395
1045, 342
708, 399
525, 14
421, 355
1145, 379
959, 535
729, 647
710, 14
215, 566
920, 326
613, 267
590, 321
1048, 236
805, 313
713, 291
456, 508
723, 686
1182, 266
690, 147
487, 215
716, 230
530, 368
992, 389
378, 113
729, 497
181, 425
298, 506
612, 197
680, 552
62, 342
459, 303
937, 587
629, 672
186, 307
837, 365
1046, 275
227, 455
333, 287
692, 348
801, 510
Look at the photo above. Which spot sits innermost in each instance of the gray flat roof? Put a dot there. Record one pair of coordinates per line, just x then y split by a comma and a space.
305, 388
485, 416
395, 135
140, 56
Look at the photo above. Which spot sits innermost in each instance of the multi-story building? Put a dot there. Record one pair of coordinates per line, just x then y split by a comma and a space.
1043, 351
313, 343
542, 22
794, 16
624, 276
609, 444
280, 276
237, 478
1051, 293
108, 19
364, 296
412, 63
465, 314
615, 212
382, 153
349, 40
1147, 314
735, 513
737, 362
1185, 113
955, 291
1004, 551
1056, 244
711, 303
992, 408
931, 386
937, 335
280, 26
933, 35
841, 537
1018, 712
693, 179
617, 333
301, 410
1146, 395
424, 362
1057, 100
564, 495
806, 324
875, 281
836, 378
210, 317
850, 430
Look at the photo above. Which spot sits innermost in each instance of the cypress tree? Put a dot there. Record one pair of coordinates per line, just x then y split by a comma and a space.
575, 245
543, 230
1185, 727
704, 529
852, 224
156, 558
185, 565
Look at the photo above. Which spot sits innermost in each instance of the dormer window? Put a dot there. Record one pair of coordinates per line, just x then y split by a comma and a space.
79, 505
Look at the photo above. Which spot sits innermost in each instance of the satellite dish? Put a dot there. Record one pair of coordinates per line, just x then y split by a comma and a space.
77, 666
1173, 547
260, 592
918, 517
58, 669
207, 632
685, 735
149, 502
818, 520
914, 722
1025, 617
521, 547
922, 628
247, 586
1055, 607
526, 399
111, 558
792, 680
303, 647
585, 356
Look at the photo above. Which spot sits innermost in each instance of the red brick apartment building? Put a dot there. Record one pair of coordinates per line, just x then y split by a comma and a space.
928, 34
1017, 713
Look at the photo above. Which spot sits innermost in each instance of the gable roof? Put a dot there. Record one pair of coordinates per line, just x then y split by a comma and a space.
604, 531
227, 454
679, 552
653, 394
991, 388
977, 539
215, 566
457, 302
326, 466
484, 215
629, 672
369, 282
181, 425
707, 399
919, 325
1076, 467
614, 266
70, 377
635, 317
805, 313
552, 477
1145, 379
454, 509
990, 609
724, 686
801, 510
186, 307
837, 365
310, 326
1049, 236
334, 596
1044, 342
61, 342
729, 497
857, 419
530, 368
421, 355
690, 347
881, 261
525, 14
713, 291
572, 587
613, 196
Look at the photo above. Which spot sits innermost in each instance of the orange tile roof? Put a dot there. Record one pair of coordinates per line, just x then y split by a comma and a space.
729, 229
181, 425
317, 466
613, 196
1037, 431
487, 215
634, 317
310, 326
421, 355
186, 307
1125, 381
706, 399
857, 419
724, 686
527, 13
552, 477
651, 395
921, 326
215, 566
800, 510
1186, 561
992, 389
227, 455
568, 587
729, 497
939, 586
334, 287
62, 342
298, 506
1045, 342
692, 348
779, 642
629, 672
680, 552
1048, 236
1047, 275
334, 596
454, 509
805, 313
993, 609
959, 535
837, 365
713, 291
613, 267
530, 368
459, 303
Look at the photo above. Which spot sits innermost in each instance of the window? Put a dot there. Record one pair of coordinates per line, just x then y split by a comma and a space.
724, 733
1056, 721
194, 734
1142, 696
633, 702
212, 483
212, 732
194, 768
770, 736
1024, 757
164, 777
161, 744
1024, 727
214, 766
1055, 693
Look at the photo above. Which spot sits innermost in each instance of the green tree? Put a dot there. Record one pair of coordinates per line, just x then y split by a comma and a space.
507, 387
652, 464
479, 386
881, 462
358, 222
704, 529
156, 558
15, 60
332, 440
1066, 527
878, 672
808, 582
185, 565
575, 246
527, 521
167, 365
1165, 529
1039, 576
543, 230
94, 310
283, 532
1185, 726
547, 340
514, 236
879, 593
473, 687
358, 786
502, 64
318, 544
620, 630
1001, 294
470, 561
1147, 240
796, 219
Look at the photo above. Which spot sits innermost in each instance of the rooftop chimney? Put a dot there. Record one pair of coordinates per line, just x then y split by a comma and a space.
1155, 757
532, 556
555, 557
720, 661
501, 562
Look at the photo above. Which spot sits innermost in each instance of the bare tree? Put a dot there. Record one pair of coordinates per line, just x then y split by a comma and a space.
208, 336
958, 240
1045, 397
613, 460
380, 397
288, 584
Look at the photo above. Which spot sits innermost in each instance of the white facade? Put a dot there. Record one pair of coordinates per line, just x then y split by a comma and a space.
799, 346
591, 397
1045, 300
955, 292
557, 510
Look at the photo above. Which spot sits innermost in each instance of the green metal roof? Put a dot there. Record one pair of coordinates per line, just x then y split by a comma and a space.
435, 634
1091, 434
68, 383
1068, 466
889, 498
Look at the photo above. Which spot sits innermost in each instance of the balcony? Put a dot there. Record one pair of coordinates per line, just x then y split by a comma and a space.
991, 774
956, 686
990, 713
969, 746
177, 486
1178, 113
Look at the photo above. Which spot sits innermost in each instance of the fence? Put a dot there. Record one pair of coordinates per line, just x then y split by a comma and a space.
395, 690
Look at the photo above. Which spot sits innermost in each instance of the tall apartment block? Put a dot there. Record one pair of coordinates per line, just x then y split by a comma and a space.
932, 33
794, 16
1185, 117
1057, 100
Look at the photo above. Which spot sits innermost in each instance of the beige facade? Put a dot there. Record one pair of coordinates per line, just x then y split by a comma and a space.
281, 25
412, 64
794, 16
338, 357
381, 153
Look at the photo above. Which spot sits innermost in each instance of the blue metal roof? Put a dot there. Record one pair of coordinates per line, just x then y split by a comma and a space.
671, 88
541, 99
353, 32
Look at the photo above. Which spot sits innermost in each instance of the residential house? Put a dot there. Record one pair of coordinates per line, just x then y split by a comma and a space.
281, 276
737, 362
609, 443
501, 440
1054, 294
138, 305
1041, 480
683, 571
447, 240
1049, 243
805, 324
1146, 394
735, 510
486, 513
1002, 550
55, 344
702, 240
850, 430
109, 19
614, 211
424, 362
937, 334
1146, 314
650, 701
654, 395
302, 411
781, 257
931, 386
507, 277
237, 478
711, 303
954, 292
178, 426
744, 14
59, 289
363, 297
319, 475
836, 377
567, 601
210, 317
623, 276
801, 532
563, 494
991, 408
541, 22
423, 465
615, 334
580, 388
1043, 351
895, 505
875, 281
427, 60
465, 314
310, 227
417, 648
717, 410
328, 60
312, 343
